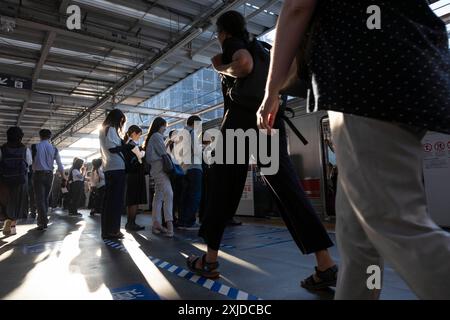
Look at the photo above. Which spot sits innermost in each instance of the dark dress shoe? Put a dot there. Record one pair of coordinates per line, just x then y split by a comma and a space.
134, 227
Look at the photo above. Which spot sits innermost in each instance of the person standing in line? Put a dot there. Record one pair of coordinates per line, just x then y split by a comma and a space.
192, 182
379, 112
112, 149
226, 181
15, 160
97, 184
32, 210
176, 180
155, 150
136, 188
44, 155
76, 186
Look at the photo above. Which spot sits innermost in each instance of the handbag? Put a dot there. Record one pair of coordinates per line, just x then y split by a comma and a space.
178, 171
168, 165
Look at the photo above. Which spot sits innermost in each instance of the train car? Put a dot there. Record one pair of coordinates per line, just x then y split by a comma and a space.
315, 164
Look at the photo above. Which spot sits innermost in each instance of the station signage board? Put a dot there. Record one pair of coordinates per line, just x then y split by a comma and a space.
10, 81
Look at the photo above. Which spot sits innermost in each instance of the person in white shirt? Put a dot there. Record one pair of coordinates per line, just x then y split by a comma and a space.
112, 148
97, 187
76, 186
15, 160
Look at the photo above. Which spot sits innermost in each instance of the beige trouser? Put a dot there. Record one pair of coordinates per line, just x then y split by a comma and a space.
163, 193
382, 212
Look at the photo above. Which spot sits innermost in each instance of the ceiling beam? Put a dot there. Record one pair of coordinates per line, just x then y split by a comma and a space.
116, 94
50, 38
152, 111
82, 36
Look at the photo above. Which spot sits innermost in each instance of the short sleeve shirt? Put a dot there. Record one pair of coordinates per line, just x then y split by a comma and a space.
111, 161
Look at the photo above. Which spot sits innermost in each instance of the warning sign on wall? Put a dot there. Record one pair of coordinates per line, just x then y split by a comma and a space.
247, 194
436, 172
436, 151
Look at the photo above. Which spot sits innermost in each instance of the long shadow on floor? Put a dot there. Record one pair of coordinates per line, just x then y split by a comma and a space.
23, 252
238, 273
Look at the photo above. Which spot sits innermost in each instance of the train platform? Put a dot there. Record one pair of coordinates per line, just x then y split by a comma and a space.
70, 261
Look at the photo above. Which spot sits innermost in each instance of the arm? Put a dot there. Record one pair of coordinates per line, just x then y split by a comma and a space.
160, 148
240, 67
79, 175
294, 19
60, 165
113, 142
122, 148
29, 157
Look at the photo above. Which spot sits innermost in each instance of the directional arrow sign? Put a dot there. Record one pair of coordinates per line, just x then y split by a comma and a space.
7, 80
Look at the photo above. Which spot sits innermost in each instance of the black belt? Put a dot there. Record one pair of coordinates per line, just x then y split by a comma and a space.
43, 171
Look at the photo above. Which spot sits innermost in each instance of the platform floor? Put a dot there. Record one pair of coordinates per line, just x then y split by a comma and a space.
71, 261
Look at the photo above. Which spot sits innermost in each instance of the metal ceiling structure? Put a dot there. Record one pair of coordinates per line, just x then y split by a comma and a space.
126, 52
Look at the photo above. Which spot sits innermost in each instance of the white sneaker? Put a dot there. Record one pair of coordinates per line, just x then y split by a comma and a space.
156, 230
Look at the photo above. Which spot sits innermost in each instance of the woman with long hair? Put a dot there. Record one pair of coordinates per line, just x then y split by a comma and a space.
76, 186
136, 188
112, 148
227, 181
15, 160
155, 150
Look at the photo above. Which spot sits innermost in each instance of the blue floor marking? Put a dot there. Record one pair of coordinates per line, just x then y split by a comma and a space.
209, 284
134, 292
201, 281
216, 286
233, 293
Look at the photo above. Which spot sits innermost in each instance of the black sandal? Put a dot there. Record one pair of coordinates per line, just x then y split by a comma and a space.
327, 278
208, 270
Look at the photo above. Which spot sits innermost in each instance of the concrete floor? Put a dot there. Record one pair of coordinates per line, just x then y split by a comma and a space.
70, 261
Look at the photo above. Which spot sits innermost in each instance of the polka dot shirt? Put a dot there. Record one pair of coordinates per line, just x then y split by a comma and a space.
399, 73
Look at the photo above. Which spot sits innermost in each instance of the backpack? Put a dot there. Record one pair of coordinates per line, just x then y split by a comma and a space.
13, 166
249, 92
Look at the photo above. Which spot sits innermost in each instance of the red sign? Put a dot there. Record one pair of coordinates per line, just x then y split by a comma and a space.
439, 146
311, 188
428, 147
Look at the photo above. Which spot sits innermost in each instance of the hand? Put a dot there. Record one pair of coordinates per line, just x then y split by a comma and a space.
267, 112
217, 61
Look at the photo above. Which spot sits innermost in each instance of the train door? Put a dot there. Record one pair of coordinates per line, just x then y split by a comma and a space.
330, 169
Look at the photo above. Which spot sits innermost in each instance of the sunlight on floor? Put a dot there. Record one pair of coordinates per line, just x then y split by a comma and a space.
233, 259
155, 279
54, 277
